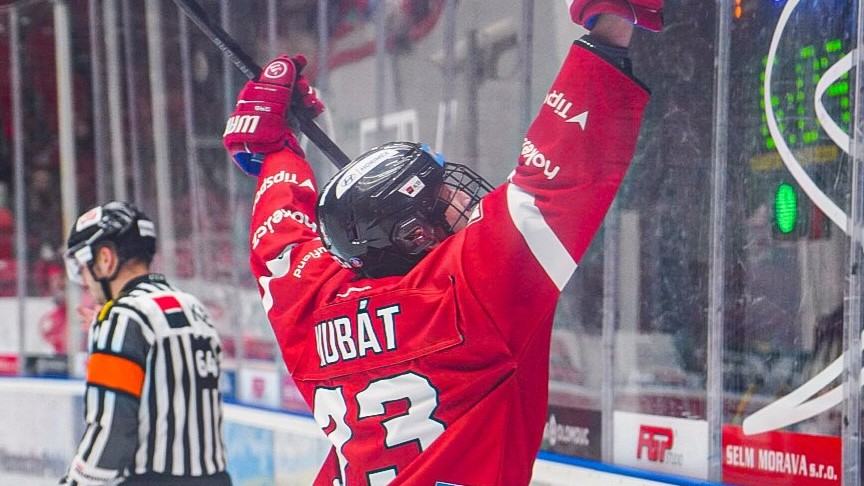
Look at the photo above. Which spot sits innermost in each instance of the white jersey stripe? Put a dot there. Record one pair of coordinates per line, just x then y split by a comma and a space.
101, 438
160, 447
208, 433
177, 466
92, 408
87, 441
119, 333
102, 340
220, 453
192, 420
541, 239
144, 422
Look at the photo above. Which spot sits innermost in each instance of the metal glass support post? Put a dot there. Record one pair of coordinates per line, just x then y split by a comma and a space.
853, 308
472, 121
323, 79
609, 324
116, 133
526, 49
716, 274
21, 256
192, 174
272, 30
131, 99
98, 101
165, 217
380, 68
446, 107
66, 144
238, 262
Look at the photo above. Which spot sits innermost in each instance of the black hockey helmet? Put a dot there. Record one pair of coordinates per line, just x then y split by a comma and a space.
120, 224
387, 209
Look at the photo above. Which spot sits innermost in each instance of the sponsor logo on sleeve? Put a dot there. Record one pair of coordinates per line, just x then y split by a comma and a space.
275, 219
282, 177
532, 156
561, 107
312, 255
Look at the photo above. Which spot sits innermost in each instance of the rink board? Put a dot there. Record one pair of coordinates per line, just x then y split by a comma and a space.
41, 423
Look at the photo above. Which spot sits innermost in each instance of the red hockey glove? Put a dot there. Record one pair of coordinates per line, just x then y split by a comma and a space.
258, 125
647, 14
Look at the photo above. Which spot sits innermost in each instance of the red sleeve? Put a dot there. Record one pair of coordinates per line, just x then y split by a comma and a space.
284, 207
533, 230
288, 260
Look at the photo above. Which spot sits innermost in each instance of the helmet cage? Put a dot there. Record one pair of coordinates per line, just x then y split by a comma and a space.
460, 192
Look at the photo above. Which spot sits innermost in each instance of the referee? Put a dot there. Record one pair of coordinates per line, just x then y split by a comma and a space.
152, 408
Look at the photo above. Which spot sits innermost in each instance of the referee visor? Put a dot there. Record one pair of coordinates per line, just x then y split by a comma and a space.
79, 255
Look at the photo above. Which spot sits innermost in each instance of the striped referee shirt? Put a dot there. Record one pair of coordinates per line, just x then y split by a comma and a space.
152, 401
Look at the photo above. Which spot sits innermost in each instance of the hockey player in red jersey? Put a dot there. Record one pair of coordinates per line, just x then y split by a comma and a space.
414, 316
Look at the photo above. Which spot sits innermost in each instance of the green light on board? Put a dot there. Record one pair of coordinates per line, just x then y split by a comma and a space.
786, 208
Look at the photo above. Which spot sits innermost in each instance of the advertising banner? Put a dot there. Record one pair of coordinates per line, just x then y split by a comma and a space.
45, 331
259, 386
9, 364
668, 445
572, 432
780, 458
39, 430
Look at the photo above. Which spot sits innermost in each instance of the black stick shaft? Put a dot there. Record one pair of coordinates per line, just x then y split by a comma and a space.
251, 69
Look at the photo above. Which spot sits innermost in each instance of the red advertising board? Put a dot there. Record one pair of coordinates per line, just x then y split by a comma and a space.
780, 458
8, 364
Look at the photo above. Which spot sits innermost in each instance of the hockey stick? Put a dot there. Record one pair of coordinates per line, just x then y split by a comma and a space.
250, 69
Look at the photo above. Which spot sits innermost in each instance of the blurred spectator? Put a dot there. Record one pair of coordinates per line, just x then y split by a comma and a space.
43, 208
7, 253
7, 233
44, 232
52, 325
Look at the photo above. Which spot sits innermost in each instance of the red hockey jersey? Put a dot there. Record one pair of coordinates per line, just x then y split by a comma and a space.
440, 376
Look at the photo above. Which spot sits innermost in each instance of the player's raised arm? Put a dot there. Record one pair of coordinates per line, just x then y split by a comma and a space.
579, 147
572, 162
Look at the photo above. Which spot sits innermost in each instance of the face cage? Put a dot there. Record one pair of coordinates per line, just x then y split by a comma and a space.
461, 191
458, 195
